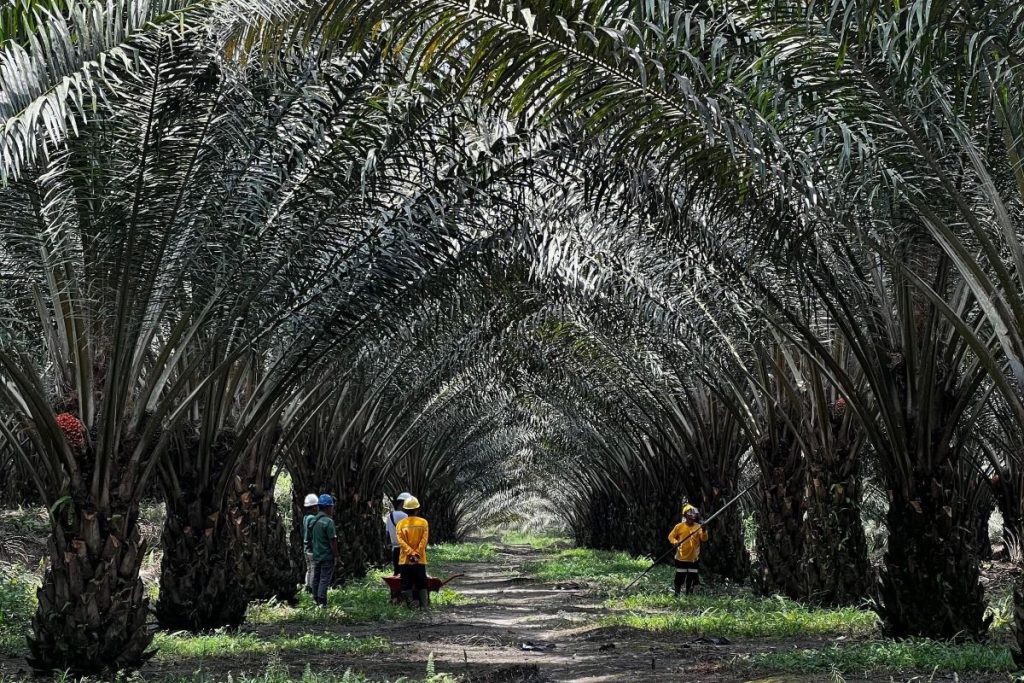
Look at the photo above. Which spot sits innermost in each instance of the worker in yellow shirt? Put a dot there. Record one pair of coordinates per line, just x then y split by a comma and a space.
687, 536
412, 533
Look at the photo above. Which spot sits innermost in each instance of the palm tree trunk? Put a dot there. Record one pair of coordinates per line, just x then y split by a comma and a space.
836, 555
725, 553
265, 565
780, 524
91, 616
199, 587
661, 514
983, 506
361, 534
443, 527
930, 583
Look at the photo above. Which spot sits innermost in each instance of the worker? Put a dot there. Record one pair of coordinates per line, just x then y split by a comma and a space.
396, 515
324, 537
688, 536
310, 508
412, 533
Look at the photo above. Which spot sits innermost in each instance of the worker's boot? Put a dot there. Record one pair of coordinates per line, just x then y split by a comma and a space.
424, 598
407, 598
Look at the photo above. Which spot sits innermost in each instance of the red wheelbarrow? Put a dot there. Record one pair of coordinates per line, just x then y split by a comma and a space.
434, 584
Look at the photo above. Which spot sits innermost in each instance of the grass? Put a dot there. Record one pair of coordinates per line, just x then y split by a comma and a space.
32, 521
534, 541
184, 646
921, 655
273, 673
602, 570
17, 603
446, 553
361, 600
279, 674
744, 617
777, 624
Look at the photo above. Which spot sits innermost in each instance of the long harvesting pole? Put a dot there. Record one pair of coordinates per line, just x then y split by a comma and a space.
717, 512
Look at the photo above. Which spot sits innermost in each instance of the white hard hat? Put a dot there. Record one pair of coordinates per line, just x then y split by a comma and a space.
311, 500
405, 495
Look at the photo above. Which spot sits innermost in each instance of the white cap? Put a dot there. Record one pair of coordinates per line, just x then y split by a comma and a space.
311, 500
405, 495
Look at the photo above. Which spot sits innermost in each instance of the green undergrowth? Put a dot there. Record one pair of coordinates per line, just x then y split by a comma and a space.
737, 616
889, 656
17, 603
447, 553
773, 622
178, 646
534, 541
274, 672
32, 521
602, 570
361, 600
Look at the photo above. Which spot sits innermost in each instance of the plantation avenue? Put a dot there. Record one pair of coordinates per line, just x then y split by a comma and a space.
726, 296
516, 616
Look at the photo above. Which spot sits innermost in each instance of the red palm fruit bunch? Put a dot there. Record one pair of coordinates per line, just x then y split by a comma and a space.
840, 405
74, 430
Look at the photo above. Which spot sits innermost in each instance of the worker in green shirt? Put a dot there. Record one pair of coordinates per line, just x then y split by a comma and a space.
324, 537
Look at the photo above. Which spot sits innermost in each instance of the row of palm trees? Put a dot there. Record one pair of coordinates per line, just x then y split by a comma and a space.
219, 270
657, 248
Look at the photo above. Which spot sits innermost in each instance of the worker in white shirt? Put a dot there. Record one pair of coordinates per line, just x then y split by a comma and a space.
392, 520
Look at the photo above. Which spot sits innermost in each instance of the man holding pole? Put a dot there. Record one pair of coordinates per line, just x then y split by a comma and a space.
688, 536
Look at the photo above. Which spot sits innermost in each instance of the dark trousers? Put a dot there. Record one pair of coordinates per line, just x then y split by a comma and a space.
414, 577
686, 575
323, 572
395, 554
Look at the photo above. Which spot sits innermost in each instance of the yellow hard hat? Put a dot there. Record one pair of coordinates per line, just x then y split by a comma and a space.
411, 503
690, 508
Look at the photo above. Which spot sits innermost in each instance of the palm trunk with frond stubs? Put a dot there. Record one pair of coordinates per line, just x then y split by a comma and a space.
983, 504
91, 616
930, 583
837, 568
725, 553
362, 540
265, 565
199, 586
780, 520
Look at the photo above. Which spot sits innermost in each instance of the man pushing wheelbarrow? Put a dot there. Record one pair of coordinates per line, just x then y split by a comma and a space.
411, 533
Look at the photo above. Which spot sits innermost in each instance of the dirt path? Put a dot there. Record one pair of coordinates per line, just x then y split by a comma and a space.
484, 641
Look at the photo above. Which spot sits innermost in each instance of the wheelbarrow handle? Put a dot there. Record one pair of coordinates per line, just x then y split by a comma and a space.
450, 578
